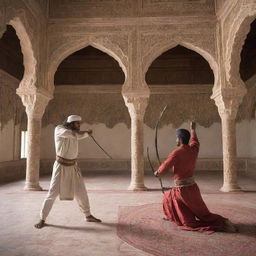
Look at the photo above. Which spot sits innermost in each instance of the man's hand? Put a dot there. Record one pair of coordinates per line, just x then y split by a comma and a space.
89, 131
83, 132
156, 173
193, 126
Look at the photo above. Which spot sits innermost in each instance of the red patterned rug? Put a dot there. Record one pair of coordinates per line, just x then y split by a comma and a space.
142, 227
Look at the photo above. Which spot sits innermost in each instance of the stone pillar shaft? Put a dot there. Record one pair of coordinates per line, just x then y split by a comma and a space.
137, 158
33, 153
137, 107
228, 101
35, 103
230, 182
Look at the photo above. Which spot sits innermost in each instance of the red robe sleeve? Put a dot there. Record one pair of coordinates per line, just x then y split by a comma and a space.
194, 144
168, 163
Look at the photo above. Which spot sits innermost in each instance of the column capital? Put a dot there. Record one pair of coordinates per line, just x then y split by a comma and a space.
136, 103
35, 100
228, 101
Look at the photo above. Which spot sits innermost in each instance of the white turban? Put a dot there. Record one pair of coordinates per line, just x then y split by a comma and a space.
74, 118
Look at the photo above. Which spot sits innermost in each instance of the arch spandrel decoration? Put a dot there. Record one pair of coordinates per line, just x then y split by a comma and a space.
70, 44
237, 36
238, 33
29, 60
159, 49
20, 20
26, 29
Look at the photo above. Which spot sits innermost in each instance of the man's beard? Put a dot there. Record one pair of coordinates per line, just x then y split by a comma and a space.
178, 143
73, 128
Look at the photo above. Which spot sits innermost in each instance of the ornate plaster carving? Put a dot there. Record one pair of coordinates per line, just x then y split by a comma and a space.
90, 8
26, 30
19, 13
35, 101
136, 105
29, 28
228, 101
115, 44
29, 59
237, 32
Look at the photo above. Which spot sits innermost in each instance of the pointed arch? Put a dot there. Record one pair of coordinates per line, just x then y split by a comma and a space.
159, 50
237, 37
66, 50
29, 59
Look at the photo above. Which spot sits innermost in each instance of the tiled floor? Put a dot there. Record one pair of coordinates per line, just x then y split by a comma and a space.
68, 233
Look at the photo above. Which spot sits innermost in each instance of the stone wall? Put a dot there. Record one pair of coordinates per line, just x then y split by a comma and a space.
106, 166
111, 139
126, 8
12, 170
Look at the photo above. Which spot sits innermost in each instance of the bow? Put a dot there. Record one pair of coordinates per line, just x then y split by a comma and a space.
156, 147
156, 133
100, 146
152, 169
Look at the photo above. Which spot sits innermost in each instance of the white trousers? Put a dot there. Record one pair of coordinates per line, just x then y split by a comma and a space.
80, 193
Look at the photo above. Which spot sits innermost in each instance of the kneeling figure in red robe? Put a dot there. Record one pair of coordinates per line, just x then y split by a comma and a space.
183, 204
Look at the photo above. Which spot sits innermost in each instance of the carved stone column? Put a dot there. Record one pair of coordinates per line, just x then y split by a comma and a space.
230, 182
35, 102
137, 106
228, 101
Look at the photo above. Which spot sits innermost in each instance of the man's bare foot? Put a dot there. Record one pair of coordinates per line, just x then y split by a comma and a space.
40, 224
91, 218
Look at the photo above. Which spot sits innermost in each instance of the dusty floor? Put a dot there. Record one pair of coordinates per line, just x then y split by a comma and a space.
68, 233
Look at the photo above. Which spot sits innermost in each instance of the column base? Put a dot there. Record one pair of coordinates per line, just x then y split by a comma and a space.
230, 188
137, 187
32, 187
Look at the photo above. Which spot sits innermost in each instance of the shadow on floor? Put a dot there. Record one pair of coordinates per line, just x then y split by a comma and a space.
247, 229
96, 227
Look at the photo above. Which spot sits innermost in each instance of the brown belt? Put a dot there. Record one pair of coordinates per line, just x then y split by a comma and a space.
185, 182
65, 162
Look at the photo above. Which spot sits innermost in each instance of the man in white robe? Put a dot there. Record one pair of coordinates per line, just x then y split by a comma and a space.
67, 180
